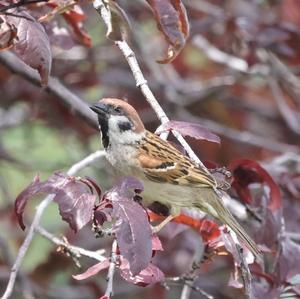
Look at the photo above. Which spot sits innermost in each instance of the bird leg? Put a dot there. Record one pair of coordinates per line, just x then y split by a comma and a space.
157, 228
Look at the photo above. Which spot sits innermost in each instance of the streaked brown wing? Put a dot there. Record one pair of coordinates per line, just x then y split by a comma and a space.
164, 163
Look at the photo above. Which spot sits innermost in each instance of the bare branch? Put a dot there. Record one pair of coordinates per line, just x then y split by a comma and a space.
19, 4
245, 272
206, 7
23, 249
36, 220
86, 162
55, 87
283, 73
230, 61
291, 119
190, 277
240, 136
74, 250
111, 269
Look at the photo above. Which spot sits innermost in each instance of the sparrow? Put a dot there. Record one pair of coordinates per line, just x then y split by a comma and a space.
169, 177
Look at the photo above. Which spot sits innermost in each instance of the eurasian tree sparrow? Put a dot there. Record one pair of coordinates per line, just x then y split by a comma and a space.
169, 177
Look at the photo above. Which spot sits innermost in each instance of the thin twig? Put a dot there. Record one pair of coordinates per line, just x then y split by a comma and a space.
111, 269
19, 4
77, 251
36, 220
245, 272
184, 281
283, 73
23, 249
230, 61
290, 118
86, 162
240, 136
192, 275
206, 7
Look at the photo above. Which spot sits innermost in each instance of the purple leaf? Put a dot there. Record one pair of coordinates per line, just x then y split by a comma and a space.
132, 227
33, 45
246, 172
172, 21
93, 270
150, 275
189, 129
21, 200
76, 204
73, 196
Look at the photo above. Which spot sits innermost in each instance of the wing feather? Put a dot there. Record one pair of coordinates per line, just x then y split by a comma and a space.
162, 162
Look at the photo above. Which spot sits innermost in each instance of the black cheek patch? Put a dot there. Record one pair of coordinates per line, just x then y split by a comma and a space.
124, 126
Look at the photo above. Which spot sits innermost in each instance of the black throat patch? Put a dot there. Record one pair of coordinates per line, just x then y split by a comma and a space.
103, 122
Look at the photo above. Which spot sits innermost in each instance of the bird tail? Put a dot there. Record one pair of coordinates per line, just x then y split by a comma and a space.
211, 204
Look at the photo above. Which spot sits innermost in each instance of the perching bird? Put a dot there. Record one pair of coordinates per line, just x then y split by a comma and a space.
169, 177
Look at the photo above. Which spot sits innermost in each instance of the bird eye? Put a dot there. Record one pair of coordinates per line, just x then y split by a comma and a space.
118, 109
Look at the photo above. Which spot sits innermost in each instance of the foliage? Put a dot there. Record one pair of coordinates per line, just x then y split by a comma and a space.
230, 70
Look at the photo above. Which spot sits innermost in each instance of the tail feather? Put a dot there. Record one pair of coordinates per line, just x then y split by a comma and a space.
211, 203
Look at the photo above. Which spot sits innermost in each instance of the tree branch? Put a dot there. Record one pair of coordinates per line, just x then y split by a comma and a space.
19, 4
73, 250
111, 269
240, 136
230, 61
55, 87
36, 220
290, 118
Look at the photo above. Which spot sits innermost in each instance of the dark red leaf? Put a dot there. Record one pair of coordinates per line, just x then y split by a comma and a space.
246, 172
133, 230
21, 200
93, 270
150, 275
33, 45
74, 198
76, 204
189, 129
172, 21
93, 185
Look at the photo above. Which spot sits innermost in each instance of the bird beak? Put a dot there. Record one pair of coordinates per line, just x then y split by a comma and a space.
100, 108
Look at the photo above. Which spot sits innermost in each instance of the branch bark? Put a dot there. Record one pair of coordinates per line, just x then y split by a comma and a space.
55, 87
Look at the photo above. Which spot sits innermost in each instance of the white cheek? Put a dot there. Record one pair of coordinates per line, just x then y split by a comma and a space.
113, 122
121, 137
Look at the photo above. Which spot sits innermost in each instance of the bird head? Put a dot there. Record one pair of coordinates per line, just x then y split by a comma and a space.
119, 122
